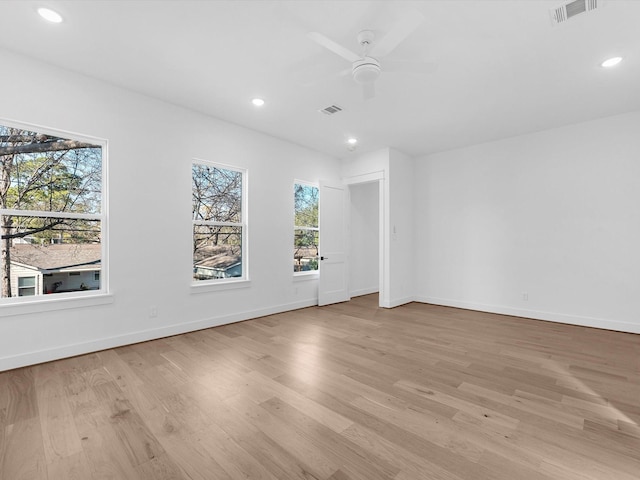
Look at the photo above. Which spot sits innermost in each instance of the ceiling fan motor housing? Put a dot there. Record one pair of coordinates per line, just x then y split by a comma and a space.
366, 70
365, 38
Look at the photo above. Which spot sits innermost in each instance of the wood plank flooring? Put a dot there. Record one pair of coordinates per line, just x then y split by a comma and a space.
348, 391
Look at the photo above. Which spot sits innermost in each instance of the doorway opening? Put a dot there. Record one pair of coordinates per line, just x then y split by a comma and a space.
365, 239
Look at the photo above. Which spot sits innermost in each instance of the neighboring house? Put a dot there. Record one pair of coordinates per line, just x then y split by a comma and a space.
305, 258
217, 262
43, 269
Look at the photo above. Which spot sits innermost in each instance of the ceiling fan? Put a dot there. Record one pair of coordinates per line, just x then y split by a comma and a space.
366, 67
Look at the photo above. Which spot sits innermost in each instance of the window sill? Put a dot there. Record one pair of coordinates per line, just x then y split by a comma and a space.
302, 276
48, 304
216, 287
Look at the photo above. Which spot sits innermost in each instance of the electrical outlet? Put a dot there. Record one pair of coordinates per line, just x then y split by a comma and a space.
525, 296
153, 312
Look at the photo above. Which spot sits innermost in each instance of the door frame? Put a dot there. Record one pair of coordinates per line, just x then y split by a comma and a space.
383, 253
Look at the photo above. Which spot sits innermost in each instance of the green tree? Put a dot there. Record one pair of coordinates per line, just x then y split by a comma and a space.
306, 205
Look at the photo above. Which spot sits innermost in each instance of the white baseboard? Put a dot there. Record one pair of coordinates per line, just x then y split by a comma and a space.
397, 302
535, 314
363, 291
56, 353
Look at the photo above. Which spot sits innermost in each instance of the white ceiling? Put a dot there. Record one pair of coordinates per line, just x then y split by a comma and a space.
502, 68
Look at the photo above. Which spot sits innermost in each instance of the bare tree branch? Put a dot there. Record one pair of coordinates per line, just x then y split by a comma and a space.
19, 138
45, 147
46, 227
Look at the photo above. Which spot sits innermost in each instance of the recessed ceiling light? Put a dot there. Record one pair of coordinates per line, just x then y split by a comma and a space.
258, 102
352, 141
50, 15
611, 62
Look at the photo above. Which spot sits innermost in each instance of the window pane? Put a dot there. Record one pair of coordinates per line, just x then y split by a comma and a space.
49, 173
67, 252
56, 175
305, 240
216, 194
306, 205
43, 230
305, 251
217, 252
26, 281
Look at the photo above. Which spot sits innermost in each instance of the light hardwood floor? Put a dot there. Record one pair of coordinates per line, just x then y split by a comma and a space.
348, 391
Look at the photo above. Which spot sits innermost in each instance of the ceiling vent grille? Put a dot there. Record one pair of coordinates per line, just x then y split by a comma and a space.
569, 10
331, 109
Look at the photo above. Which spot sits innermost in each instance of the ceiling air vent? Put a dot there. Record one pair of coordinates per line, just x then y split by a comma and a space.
569, 10
331, 109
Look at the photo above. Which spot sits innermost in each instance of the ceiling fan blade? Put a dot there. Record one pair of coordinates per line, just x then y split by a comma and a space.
333, 46
408, 21
408, 66
368, 90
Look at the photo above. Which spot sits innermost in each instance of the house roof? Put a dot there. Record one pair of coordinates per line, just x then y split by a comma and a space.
65, 256
218, 257
305, 252
220, 262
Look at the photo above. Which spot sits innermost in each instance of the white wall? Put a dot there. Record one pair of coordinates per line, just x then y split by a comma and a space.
555, 215
362, 167
151, 146
364, 239
400, 235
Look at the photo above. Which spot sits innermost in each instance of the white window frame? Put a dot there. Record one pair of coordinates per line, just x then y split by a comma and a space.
60, 301
23, 287
232, 282
297, 227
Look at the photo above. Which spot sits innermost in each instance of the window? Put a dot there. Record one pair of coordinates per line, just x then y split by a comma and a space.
306, 233
26, 286
51, 216
219, 222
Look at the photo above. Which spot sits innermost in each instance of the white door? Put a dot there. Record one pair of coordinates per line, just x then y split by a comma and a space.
332, 286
